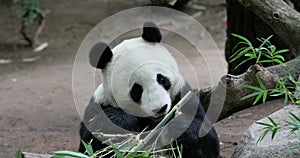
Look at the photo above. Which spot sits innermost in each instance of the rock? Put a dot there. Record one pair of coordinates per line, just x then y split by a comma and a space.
210, 2
279, 147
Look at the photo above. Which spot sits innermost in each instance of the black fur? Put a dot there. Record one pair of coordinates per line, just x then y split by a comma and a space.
164, 81
193, 146
100, 55
151, 32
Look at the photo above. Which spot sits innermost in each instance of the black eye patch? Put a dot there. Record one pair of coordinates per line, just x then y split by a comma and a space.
136, 92
164, 81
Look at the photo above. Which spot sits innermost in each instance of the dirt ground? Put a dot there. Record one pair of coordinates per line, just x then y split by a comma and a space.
37, 106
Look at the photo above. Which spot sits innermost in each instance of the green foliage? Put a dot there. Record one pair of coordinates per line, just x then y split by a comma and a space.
71, 154
19, 154
118, 152
261, 91
273, 127
286, 86
29, 11
294, 125
265, 49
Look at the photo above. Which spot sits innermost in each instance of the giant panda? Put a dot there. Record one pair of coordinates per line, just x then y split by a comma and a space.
140, 84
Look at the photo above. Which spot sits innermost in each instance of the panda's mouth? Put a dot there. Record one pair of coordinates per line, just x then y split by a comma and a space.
157, 118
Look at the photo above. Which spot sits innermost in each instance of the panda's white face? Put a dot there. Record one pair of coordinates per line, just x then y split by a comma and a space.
139, 75
142, 78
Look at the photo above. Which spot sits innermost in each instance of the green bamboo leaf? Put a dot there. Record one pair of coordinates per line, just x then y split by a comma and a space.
279, 57
274, 132
285, 99
281, 51
272, 121
265, 96
88, 148
272, 48
242, 63
267, 55
70, 154
252, 87
294, 124
242, 38
250, 96
258, 57
277, 94
291, 99
292, 79
116, 150
264, 41
236, 52
263, 135
19, 154
295, 147
264, 124
257, 98
266, 61
260, 82
240, 54
279, 62
251, 55
294, 116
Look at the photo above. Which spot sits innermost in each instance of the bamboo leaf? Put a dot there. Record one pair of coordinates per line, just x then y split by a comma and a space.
260, 82
88, 148
116, 150
70, 154
252, 87
242, 38
263, 135
266, 61
279, 62
257, 98
264, 41
19, 154
294, 118
279, 57
274, 132
240, 54
250, 95
281, 51
264, 124
272, 121
265, 96
242, 63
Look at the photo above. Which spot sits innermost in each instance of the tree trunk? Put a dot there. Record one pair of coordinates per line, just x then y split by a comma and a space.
255, 19
235, 90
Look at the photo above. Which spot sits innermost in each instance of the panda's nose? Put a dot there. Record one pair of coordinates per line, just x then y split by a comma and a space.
162, 110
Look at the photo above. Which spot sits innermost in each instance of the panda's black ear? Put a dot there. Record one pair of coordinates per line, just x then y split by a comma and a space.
100, 55
151, 32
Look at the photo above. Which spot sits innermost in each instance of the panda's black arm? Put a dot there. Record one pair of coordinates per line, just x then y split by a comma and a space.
95, 114
193, 145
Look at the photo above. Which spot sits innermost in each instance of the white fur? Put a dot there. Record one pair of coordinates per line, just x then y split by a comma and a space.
138, 61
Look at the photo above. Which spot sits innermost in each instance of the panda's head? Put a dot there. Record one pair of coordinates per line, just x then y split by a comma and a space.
139, 75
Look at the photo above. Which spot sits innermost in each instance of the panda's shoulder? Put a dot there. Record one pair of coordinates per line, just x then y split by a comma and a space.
98, 96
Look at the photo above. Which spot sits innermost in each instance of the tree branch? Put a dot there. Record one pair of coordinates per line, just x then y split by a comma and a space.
235, 90
283, 19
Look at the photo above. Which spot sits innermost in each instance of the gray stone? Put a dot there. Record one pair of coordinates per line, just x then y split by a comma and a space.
279, 147
210, 2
